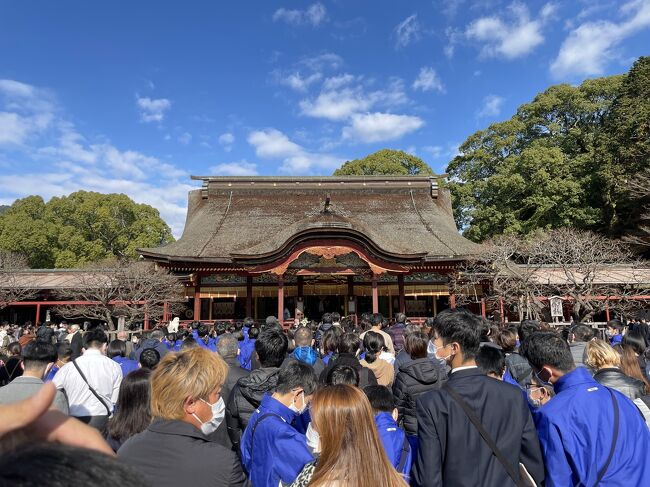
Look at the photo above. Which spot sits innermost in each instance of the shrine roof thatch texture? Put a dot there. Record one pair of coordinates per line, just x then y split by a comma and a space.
237, 218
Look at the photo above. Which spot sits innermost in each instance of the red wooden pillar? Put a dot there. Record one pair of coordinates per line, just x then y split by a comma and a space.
607, 310
483, 307
452, 301
375, 294
351, 295
249, 296
197, 303
165, 317
503, 318
146, 316
281, 300
400, 290
38, 313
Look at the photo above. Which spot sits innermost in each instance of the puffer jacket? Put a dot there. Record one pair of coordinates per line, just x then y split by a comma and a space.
412, 379
615, 379
519, 368
245, 398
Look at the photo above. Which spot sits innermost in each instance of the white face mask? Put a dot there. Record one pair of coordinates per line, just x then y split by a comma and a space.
313, 439
218, 413
432, 353
293, 406
443, 360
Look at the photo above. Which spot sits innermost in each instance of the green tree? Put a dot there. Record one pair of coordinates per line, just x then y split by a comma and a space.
81, 228
386, 162
540, 169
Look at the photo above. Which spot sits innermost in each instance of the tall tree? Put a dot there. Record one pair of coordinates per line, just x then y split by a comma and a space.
386, 162
13, 288
537, 170
83, 227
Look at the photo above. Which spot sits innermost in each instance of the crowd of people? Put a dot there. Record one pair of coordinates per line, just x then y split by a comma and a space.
454, 400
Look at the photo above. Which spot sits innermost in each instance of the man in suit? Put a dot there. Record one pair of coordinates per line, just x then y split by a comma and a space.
75, 338
451, 450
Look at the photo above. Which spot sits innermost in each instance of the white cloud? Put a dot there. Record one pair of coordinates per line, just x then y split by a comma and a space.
298, 82
314, 15
185, 138
320, 62
241, 168
14, 129
589, 47
491, 107
435, 150
16, 88
153, 110
407, 31
339, 100
226, 140
376, 127
273, 144
428, 80
513, 37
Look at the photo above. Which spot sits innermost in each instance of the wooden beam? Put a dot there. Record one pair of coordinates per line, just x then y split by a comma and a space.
281, 300
375, 295
400, 287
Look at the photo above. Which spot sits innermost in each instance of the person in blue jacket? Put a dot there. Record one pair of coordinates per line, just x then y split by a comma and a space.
577, 427
272, 450
117, 351
202, 336
392, 436
247, 347
614, 332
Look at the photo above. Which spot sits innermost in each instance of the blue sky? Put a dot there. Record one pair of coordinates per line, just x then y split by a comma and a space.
133, 97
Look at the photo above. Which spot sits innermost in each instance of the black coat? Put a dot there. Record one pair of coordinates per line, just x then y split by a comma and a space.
76, 344
615, 379
172, 453
451, 450
366, 376
413, 379
235, 372
246, 397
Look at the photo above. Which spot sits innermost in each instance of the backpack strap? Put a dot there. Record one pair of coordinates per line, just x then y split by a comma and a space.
603, 471
92, 389
406, 449
257, 423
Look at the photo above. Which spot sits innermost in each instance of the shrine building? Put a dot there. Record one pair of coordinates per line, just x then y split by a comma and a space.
259, 246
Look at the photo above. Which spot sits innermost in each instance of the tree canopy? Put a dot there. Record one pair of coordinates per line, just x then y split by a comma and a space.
386, 162
81, 228
561, 161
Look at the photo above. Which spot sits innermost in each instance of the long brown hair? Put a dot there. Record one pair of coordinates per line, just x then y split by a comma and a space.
351, 452
630, 366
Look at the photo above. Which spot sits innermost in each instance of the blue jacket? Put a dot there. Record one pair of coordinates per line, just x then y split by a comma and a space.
246, 348
127, 365
576, 429
211, 345
394, 441
50, 375
616, 340
278, 451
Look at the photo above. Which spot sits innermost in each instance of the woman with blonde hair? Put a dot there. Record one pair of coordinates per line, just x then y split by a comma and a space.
602, 358
186, 407
351, 453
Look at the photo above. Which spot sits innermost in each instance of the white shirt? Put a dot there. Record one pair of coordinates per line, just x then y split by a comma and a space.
457, 369
104, 374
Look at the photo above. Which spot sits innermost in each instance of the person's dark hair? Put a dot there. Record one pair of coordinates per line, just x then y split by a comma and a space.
381, 398
272, 322
330, 340
416, 344
188, 343
220, 328
171, 337
158, 335
336, 317
238, 325
547, 348
632, 339
253, 333
491, 360
349, 343
303, 336
376, 319
411, 328
249, 322
373, 343
296, 375
14, 349
38, 464
133, 409
400, 318
460, 326
342, 374
239, 335
64, 350
227, 346
149, 358
507, 340
582, 333
116, 348
327, 318
271, 348
527, 327
95, 338
615, 324
202, 330
38, 354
